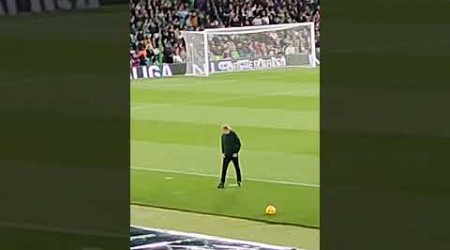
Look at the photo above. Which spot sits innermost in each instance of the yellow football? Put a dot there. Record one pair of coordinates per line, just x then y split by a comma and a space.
271, 210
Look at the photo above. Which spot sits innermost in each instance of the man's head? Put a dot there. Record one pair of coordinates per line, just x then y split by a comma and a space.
226, 129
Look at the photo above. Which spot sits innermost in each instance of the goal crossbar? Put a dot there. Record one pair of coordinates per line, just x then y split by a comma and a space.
258, 27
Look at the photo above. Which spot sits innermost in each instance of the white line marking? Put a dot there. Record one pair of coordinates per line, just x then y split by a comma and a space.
216, 176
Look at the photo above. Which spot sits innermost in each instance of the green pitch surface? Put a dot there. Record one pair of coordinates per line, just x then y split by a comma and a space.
175, 153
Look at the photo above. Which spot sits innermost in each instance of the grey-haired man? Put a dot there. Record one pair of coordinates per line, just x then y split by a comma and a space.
231, 145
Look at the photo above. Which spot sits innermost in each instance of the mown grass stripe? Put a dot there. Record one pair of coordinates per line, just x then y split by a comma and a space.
255, 138
277, 100
302, 120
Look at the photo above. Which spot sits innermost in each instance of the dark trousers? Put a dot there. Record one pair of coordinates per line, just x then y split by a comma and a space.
225, 163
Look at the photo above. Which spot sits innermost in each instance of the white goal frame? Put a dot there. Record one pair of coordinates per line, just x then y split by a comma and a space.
313, 61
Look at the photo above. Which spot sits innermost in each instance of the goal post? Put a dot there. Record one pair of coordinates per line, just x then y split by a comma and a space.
250, 48
197, 61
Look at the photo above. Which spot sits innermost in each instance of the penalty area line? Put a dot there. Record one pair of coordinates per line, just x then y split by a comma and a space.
216, 176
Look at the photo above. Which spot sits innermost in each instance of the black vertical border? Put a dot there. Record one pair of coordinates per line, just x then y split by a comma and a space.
385, 137
64, 94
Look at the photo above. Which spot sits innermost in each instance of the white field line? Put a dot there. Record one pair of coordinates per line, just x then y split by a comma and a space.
216, 176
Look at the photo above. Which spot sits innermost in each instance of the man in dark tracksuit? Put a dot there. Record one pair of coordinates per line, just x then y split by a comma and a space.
231, 145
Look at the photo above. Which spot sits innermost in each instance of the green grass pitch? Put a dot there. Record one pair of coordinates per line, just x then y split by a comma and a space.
175, 136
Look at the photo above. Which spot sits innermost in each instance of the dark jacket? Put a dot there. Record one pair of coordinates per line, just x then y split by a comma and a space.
230, 143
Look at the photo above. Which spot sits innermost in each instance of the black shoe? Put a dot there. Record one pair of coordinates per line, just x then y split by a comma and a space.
220, 185
239, 183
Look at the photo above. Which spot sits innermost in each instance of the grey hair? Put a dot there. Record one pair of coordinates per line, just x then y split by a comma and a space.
226, 126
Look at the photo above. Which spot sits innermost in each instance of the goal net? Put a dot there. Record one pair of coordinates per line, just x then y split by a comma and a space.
249, 48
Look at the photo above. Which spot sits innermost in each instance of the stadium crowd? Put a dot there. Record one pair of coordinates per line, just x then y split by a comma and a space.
156, 25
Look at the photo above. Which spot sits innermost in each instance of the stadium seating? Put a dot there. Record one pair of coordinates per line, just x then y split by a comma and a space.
155, 25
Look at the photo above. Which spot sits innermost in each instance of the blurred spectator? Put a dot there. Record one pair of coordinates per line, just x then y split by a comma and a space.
156, 23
